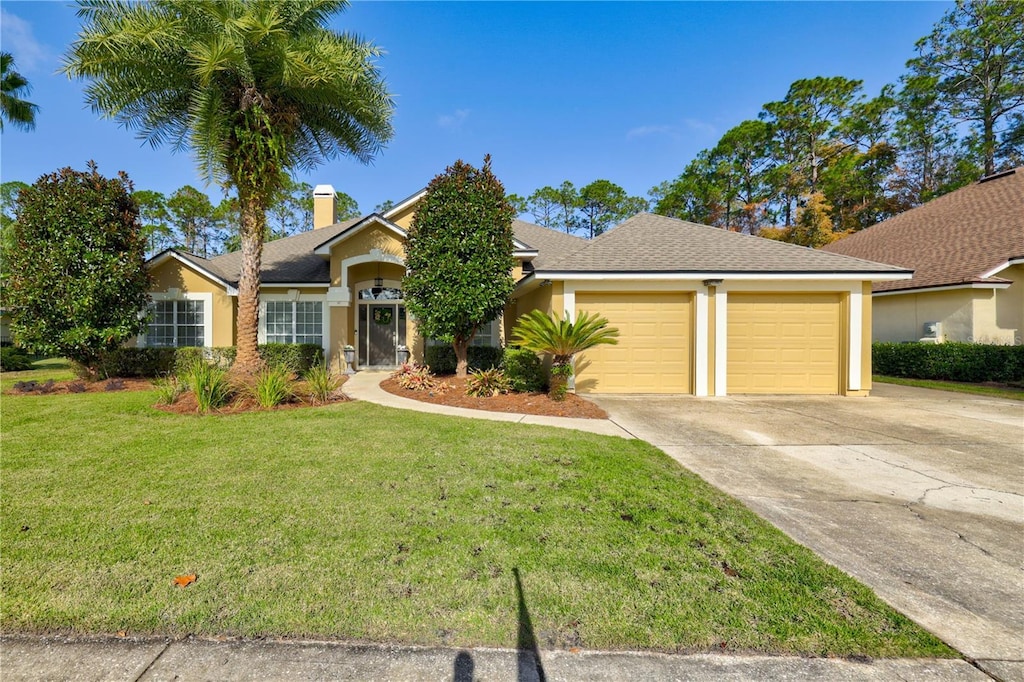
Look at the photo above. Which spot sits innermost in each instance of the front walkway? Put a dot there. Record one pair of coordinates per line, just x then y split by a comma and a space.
365, 385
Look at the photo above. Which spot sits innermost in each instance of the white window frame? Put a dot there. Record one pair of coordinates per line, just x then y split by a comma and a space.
173, 295
294, 296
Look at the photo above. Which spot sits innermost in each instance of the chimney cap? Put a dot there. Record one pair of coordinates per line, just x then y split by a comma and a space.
324, 191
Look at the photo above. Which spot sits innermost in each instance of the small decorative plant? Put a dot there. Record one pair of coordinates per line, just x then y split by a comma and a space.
487, 382
168, 389
321, 383
413, 377
273, 386
209, 383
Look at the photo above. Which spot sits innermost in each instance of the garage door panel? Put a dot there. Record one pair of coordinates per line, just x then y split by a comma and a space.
653, 353
783, 343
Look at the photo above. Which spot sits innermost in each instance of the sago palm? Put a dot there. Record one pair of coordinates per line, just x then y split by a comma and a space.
255, 88
13, 86
562, 339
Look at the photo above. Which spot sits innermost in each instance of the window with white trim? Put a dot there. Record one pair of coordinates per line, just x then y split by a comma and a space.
487, 335
176, 324
294, 322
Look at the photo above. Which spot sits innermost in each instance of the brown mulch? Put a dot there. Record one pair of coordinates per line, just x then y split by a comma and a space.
185, 403
523, 403
79, 386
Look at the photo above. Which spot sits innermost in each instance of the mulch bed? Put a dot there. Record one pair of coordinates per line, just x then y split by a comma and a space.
78, 386
185, 404
523, 403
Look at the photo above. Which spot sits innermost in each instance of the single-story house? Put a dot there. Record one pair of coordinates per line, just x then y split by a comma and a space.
699, 310
966, 249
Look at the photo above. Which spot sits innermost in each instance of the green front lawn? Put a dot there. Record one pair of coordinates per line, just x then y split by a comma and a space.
957, 386
359, 522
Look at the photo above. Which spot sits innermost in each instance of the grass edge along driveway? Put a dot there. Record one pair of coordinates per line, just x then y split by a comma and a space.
364, 523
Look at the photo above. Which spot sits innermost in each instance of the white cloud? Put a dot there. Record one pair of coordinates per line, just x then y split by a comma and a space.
644, 131
16, 36
453, 121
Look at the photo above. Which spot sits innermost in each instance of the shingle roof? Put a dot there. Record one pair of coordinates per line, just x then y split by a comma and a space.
288, 260
654, 243
953, 239
550, 244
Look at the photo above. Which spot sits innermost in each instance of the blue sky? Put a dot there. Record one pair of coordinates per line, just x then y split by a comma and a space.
553, 91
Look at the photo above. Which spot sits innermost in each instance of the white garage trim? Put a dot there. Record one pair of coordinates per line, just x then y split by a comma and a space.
856, 330
568, 301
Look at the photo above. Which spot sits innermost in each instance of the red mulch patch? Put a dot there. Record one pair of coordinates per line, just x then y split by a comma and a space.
79, 386
523, 403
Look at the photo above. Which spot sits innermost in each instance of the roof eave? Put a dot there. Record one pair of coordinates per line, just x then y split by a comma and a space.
873, 276
324, 248
230, 287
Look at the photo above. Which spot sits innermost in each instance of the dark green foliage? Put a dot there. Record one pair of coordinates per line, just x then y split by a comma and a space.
524, 370
13, 359
185, 358
441, 359
298, 357
75, 274
459, 255
135, 362
972, 362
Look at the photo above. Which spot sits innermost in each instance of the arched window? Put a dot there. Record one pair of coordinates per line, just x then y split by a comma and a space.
380, 294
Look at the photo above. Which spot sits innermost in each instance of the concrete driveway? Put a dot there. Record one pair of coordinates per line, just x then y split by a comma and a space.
917, 493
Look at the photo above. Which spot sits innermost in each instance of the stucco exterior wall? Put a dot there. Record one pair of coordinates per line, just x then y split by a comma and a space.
901, 317
1009, 306
360, 244
172, 274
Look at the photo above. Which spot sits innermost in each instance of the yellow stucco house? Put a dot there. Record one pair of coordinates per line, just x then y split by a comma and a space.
699, 310
967, 252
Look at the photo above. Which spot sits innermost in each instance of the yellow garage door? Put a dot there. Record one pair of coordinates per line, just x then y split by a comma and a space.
653, 353
783, 343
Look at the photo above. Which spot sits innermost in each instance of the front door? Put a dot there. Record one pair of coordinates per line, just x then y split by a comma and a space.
382, 330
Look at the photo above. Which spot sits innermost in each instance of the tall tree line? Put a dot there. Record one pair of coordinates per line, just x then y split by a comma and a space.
588, 211
827, 160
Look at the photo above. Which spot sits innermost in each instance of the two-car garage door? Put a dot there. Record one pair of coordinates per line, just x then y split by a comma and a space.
775, 343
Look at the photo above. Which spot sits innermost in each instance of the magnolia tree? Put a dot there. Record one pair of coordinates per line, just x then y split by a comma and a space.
76, 280
459, 256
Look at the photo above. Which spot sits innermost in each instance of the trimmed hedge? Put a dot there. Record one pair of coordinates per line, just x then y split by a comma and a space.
524, 370
157, 362
970, 362
14, 359
441, 359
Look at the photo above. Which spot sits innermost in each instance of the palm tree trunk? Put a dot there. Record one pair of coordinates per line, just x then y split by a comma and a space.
247, 360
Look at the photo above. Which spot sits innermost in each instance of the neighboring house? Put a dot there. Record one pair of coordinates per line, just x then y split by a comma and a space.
699, 310
967, 252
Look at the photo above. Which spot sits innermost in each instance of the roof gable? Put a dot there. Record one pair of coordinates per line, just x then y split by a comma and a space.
324, 248
965, 237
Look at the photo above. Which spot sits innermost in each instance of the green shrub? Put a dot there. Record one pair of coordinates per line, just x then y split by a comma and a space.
14, 359
524, 370
559, 384
441, 359
136, 362
299, 357
185, 358
273, 385
970, 362
209, 383
321, 383
483, 383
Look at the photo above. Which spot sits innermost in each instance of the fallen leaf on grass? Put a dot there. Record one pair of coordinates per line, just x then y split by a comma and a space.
122, 633
185, 580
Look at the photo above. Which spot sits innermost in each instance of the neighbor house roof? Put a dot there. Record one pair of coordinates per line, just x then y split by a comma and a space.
648, 243
961, 238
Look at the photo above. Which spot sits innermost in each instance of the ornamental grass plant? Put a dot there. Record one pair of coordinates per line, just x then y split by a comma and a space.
209, 383
272, 385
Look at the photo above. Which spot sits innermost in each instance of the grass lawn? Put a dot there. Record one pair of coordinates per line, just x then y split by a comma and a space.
57, 369
360, 522
958, 386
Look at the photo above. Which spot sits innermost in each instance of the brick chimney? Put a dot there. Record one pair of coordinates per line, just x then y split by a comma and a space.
325, 209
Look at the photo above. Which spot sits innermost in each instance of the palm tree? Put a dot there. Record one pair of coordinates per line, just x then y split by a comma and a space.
13, 86
562, 339
255, 88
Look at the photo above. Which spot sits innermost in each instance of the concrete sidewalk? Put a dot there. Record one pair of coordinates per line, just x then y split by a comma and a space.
193, 659
365, 385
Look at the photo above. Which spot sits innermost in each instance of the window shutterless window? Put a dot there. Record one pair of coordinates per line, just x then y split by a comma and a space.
175, 324
294, 322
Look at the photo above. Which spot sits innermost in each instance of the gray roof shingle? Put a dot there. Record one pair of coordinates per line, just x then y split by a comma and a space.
654, 243
550, 244
953, 239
